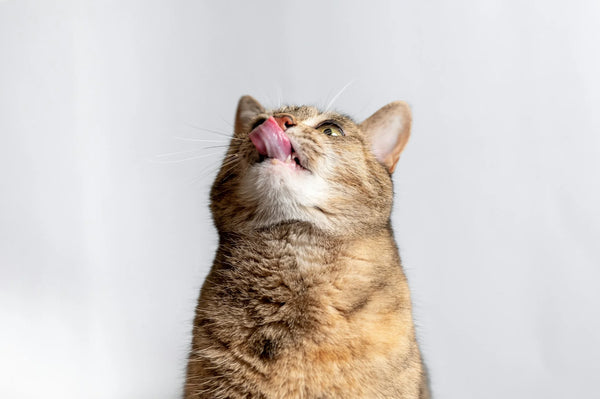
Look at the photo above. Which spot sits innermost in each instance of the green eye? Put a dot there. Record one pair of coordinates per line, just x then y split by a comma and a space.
330, 129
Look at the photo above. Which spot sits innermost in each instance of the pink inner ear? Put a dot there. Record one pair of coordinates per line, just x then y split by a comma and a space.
270, 140
388, 130
385, 139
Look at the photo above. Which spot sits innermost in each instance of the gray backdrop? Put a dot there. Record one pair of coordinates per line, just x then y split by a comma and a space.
105, 234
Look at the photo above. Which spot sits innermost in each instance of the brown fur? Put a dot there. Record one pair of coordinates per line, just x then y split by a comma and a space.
309, 301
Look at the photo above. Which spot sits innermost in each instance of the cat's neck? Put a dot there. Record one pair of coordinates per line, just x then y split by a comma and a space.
294, 265
295, 233
302, 246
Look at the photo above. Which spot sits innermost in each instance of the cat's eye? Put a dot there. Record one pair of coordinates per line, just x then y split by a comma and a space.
331, 129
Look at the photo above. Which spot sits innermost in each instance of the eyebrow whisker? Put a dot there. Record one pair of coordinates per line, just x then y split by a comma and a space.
338, 95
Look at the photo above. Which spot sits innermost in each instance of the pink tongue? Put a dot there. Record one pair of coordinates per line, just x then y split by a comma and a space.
270, 140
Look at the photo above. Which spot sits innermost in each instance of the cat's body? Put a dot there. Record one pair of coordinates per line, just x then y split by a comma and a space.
306, 297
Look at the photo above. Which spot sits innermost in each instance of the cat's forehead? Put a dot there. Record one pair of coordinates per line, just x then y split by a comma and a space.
310, 115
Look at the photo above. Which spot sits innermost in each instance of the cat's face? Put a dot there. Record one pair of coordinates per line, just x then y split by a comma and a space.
297, 164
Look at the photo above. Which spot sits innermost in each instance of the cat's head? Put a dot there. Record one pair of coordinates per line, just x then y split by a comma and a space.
298, 164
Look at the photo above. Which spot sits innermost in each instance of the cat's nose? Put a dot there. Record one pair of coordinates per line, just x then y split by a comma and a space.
285, 121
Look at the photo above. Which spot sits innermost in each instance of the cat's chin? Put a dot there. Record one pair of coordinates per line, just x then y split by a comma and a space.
283, 191
273, 176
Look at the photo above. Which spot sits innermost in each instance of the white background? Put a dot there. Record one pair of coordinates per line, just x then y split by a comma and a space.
105, 238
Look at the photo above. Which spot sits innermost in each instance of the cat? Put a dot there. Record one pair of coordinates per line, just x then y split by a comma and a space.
306, 297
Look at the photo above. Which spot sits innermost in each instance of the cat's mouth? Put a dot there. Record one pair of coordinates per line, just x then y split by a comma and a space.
292, 160
274, 145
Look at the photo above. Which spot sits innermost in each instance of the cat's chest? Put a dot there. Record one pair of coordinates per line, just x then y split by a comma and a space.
307, 318
305, 298
314, 343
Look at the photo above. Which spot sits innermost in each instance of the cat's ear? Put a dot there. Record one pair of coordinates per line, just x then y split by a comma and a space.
247, 110
388, 130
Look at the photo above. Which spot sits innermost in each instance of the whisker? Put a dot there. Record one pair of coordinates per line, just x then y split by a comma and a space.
200, 140
268, 97
279, 96
190, 158
227, 122
217, 146
229, 159
168, 154
338, 95
209, 130
200, 178
229, 163
227, 172
227, 137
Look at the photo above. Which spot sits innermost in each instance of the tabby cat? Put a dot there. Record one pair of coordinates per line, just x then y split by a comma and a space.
306, 297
